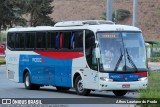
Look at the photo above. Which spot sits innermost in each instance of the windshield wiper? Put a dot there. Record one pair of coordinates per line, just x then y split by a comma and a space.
119, 60
130, 60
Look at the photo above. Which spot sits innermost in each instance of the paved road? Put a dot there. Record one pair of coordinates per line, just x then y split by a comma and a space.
9, 89
154, 66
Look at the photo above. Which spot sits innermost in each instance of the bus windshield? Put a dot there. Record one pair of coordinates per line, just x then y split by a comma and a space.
122, 51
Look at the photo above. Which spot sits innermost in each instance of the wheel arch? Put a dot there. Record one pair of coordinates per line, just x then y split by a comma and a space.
75, 76
24, 72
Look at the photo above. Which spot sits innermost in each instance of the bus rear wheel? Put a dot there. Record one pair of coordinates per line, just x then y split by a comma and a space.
28, 84
79, 87
119, 92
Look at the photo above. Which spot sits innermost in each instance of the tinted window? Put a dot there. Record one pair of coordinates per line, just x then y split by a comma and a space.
41, 40
51, 40
89, 39
10, 40
19, 40
77, 39
90, 48
65, 39
30, 40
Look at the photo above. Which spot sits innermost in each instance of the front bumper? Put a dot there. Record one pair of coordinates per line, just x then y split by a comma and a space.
135, 85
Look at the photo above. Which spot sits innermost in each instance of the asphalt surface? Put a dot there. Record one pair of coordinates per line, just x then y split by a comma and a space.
154, 66
16, 90
9, 89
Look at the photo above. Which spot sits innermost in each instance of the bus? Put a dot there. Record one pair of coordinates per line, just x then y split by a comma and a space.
89, 55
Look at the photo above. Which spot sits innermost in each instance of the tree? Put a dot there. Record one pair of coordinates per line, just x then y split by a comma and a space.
118, 15
38, 11
10, 13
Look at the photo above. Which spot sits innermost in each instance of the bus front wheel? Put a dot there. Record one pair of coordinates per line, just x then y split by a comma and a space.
28, 84
119, 92
79, 87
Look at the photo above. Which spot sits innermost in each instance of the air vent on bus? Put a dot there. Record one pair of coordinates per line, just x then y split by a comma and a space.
81, 23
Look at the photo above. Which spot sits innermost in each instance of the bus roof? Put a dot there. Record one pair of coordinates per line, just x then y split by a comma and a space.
94, 25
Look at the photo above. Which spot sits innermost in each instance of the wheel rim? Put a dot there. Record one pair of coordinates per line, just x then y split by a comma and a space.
80, 86
27, 81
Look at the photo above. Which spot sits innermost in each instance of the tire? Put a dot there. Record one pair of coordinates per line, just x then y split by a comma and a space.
28, 84
79, 87
119, 92
62, 88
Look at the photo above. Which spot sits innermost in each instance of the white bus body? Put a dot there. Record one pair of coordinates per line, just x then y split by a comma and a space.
71, 62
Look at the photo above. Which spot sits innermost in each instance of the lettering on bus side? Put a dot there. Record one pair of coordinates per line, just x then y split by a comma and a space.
36, 59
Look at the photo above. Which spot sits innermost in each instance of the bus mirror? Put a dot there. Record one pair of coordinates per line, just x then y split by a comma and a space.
97, 53
96, 42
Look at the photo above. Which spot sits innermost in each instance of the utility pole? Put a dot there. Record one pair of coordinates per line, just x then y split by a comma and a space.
109, 10
135, 13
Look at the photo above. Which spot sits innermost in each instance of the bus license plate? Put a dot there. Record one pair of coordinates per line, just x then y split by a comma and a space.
126, 86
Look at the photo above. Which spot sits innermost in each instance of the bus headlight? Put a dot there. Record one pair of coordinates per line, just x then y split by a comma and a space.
142, 79
106, 79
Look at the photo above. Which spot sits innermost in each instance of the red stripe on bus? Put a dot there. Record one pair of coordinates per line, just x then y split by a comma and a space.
144, 74
61, 55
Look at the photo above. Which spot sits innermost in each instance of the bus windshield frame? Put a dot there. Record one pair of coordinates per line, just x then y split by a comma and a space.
122, 51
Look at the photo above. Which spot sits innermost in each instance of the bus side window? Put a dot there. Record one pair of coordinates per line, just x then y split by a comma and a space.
89, 49
57, 40
19, 40
10, 40
72, 41
51, 40
94, 60
78, 44
60, 41
65, 39
30, 40
40, 40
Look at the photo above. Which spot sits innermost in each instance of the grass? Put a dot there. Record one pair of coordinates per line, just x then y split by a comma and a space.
154, 59
2, 62
3, 36
153, 89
